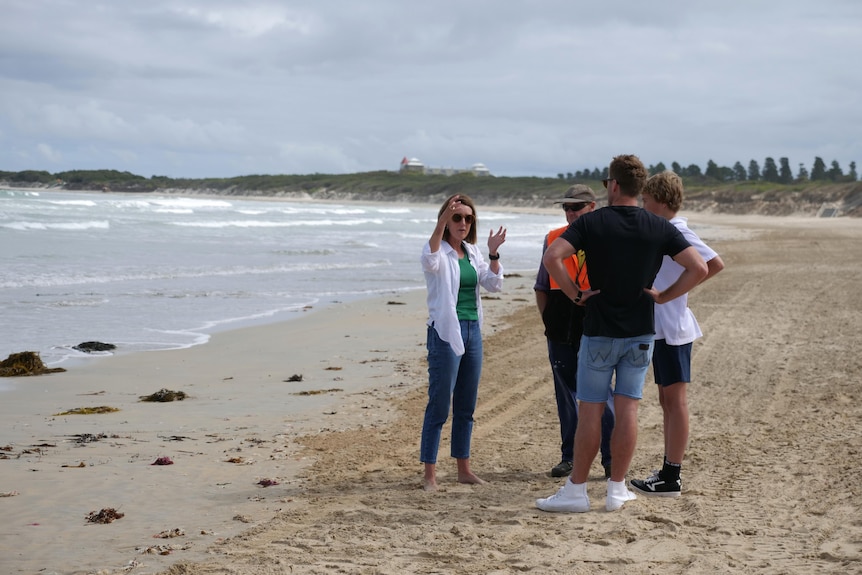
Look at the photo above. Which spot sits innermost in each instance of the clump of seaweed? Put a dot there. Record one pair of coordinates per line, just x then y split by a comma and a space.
318, 391
25, 363
88, 437
162, 461
267, 482
294, 377
164, 395
106, 515
174, 437
162, 549
89, 410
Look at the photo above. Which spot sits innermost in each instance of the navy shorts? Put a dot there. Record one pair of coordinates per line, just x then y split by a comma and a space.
671, 363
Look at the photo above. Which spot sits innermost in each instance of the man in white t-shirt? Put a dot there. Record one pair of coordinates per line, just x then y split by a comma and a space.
675, 330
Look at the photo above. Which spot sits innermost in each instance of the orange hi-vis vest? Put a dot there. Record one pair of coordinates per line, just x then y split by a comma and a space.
575, 265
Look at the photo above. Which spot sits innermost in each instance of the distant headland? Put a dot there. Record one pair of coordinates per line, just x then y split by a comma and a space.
800, 198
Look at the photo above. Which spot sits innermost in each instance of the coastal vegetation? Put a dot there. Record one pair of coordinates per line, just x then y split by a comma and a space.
769, 191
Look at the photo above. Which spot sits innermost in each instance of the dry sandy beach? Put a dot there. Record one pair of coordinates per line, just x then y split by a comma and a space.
770, 482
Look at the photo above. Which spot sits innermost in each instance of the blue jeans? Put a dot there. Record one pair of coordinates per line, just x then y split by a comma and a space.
564, 366
452, 380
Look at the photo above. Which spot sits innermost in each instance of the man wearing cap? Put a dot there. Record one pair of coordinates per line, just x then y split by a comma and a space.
564, 321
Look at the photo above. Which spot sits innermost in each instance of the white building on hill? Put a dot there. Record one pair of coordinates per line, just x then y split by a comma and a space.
414, 165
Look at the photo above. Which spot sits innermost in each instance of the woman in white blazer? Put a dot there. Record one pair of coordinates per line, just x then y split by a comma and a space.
454, 270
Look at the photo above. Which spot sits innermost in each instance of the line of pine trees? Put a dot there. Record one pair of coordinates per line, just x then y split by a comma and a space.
771, 172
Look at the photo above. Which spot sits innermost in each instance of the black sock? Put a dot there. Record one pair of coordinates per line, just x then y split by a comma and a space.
670, 471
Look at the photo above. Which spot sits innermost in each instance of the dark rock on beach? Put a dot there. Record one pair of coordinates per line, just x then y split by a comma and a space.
91, 346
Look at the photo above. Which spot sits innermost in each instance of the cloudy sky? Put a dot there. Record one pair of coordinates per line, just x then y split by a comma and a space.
218, 88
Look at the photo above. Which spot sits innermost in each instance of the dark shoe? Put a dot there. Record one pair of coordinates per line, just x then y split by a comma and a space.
658, 487
562, 469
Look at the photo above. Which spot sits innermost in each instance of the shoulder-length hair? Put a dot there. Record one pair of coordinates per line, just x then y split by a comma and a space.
467, 201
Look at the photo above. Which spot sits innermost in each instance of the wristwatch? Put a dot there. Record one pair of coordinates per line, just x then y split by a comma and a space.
493, 257
578, 297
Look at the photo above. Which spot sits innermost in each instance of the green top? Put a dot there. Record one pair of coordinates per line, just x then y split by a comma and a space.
466, 307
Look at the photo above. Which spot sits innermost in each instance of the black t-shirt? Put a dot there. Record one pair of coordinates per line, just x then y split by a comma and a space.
624, 246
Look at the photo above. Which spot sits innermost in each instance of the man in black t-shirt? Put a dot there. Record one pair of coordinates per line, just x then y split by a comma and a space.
624, 245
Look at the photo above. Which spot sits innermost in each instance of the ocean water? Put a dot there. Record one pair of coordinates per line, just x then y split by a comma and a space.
149, 272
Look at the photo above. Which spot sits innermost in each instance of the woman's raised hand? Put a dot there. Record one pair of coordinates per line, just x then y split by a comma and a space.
495, 240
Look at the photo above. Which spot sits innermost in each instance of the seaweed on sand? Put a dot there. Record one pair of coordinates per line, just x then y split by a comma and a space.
318, 391
25, 363
89, 410
164, 395
106, 515
82, 438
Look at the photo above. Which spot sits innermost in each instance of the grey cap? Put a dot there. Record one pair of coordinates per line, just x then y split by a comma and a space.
577, 193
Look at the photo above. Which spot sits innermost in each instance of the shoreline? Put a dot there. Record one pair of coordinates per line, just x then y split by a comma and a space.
205, 335
162, 335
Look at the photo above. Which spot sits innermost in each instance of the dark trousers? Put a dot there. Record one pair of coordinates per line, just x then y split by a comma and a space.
564, 365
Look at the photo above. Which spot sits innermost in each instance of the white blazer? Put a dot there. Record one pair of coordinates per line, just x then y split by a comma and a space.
443, 279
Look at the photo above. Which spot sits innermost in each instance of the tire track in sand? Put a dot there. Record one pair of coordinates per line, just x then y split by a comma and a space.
749, 446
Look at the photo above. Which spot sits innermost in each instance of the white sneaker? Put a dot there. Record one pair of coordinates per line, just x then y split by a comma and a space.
618, 494
570, 498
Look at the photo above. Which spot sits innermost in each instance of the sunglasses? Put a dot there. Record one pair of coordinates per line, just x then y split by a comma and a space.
574, 207
606, 180
458, 217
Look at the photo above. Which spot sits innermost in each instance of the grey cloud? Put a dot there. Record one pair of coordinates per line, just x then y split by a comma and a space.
221, 88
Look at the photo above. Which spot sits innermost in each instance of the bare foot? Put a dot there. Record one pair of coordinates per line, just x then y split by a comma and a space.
429, 477
470, 478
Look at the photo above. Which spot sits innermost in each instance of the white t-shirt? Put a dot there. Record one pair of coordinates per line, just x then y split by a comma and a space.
674, 321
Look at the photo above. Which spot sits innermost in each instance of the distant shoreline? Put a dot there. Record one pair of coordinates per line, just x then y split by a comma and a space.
845, 198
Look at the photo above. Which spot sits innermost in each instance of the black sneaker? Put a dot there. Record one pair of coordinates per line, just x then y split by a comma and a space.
656, 486
562, 469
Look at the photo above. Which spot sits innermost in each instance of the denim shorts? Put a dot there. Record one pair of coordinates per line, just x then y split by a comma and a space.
600, 358
671, 363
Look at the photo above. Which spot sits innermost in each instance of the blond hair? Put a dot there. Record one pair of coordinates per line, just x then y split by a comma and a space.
665, 188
